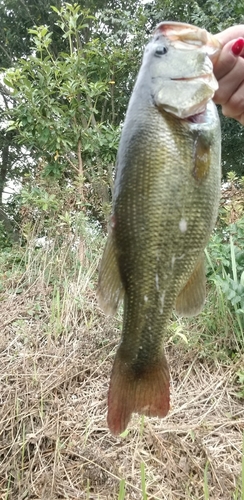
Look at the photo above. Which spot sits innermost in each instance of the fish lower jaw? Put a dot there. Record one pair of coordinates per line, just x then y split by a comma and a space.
202, 114
196, 114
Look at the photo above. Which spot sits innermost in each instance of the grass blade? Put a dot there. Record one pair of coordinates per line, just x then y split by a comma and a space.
121, 490
143, 481
205, 483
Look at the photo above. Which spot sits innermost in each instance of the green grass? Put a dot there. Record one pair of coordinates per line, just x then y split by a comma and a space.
205, 482
143, 482
121, 490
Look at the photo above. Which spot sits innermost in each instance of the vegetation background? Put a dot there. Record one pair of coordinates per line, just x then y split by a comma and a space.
67, 72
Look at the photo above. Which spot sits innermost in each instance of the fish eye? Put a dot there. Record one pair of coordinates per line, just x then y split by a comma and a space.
160, 51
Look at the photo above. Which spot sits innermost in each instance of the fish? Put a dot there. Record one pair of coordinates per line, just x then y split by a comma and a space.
165, 204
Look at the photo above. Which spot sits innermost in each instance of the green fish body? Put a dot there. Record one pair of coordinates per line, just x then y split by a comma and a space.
165, 205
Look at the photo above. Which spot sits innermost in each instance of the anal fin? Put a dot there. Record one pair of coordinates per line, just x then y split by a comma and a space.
110, 289
190, 300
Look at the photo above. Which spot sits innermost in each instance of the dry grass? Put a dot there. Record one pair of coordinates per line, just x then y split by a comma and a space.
57, 351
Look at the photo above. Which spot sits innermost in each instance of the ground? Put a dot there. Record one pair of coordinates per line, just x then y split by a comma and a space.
57, 351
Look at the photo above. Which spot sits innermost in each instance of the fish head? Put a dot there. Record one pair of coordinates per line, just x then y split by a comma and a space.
179, 63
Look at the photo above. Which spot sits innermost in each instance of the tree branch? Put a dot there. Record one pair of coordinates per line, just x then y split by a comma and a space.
6, 54
11, 231
72, 164
4, 90
80, 163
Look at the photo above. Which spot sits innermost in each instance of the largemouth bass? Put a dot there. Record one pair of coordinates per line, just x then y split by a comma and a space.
165, 204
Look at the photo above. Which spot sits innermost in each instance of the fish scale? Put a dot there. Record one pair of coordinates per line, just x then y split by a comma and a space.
165, 203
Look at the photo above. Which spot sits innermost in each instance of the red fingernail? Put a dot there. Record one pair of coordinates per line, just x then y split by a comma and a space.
237, 46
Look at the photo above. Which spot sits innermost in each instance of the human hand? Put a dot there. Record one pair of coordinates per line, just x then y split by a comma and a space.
229, 71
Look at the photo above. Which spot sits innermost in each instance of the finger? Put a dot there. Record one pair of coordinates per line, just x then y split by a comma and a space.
234, 107
230, 83
231, 33
239, 118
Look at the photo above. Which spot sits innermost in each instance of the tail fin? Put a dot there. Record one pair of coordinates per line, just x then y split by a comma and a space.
146, 393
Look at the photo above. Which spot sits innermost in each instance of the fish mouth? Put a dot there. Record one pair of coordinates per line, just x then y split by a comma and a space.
196, 114
200, 116
187, 36
189, 83
194, 110
197, 118
206, 76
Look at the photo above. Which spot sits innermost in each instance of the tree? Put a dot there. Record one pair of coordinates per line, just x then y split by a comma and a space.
68, 108
71, 71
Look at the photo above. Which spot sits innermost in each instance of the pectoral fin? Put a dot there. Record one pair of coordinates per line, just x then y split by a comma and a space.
202, 158
110, 289
191, 299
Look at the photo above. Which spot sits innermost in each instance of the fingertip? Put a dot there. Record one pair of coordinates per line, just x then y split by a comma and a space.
238, 47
